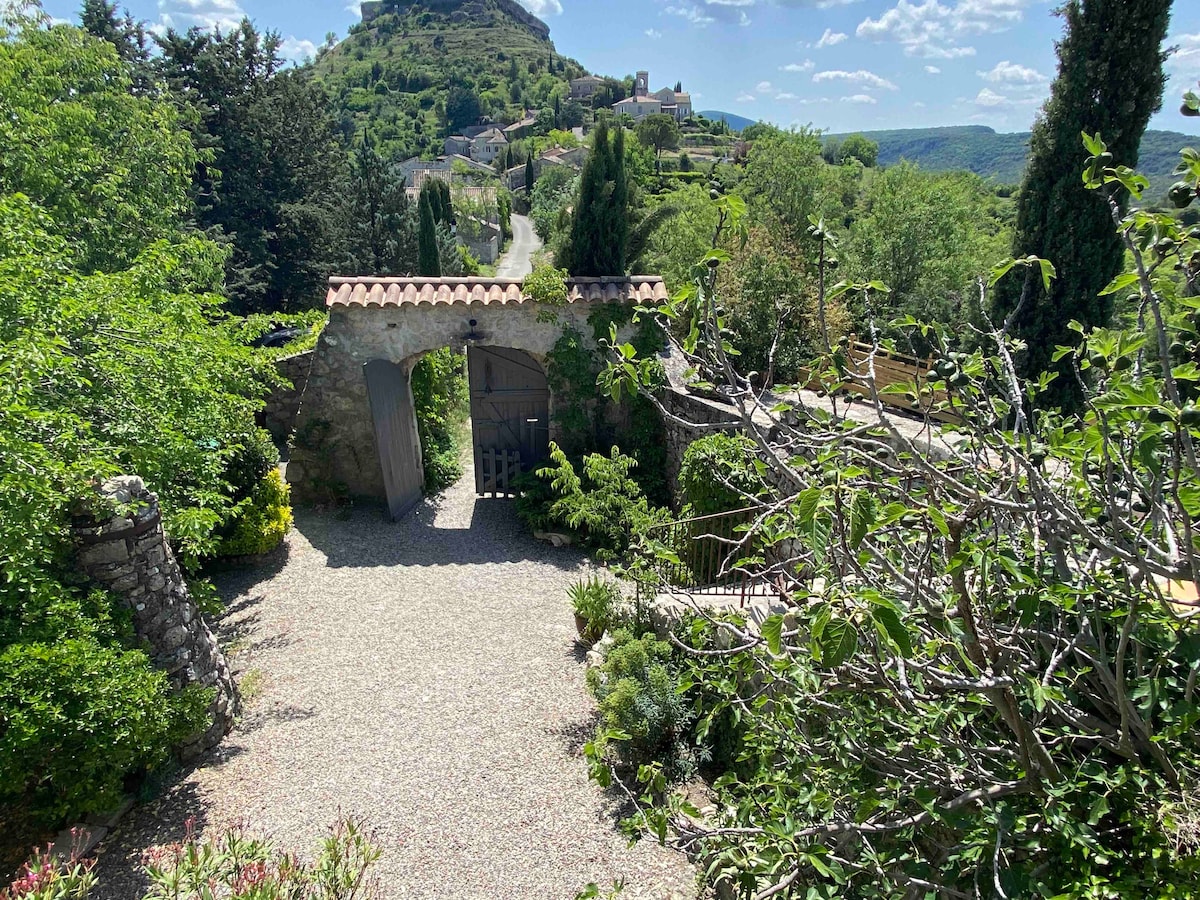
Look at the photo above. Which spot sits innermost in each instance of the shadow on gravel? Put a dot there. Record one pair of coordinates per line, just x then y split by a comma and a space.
160, 821
364, 538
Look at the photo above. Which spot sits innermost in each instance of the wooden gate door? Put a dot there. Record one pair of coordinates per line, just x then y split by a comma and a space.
510, 416
395, 434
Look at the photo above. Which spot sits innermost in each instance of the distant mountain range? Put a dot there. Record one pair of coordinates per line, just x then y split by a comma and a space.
737, 123
990, 154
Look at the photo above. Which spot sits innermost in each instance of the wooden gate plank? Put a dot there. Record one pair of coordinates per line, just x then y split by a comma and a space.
396, 435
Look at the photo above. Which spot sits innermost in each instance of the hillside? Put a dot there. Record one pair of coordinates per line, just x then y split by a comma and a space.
416, 71
736, 122
1002, 157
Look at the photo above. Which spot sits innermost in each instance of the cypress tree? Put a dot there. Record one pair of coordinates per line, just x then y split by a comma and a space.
586, 252
616, 236
530, 175
1110, 80
428, 261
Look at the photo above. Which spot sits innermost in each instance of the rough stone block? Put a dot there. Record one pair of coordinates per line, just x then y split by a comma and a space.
104, 554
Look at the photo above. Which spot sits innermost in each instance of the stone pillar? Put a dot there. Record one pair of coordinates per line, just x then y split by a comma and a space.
128, 554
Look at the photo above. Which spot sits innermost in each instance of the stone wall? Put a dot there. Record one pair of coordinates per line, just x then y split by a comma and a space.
335, 435
279, 414
128, 554
687, 406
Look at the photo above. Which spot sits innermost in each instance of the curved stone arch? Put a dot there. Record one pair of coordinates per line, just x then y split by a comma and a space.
399, 320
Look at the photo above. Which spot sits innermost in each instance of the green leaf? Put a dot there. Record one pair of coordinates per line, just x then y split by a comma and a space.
772, 632
838, 642
890, 627
1119, 283
862, 517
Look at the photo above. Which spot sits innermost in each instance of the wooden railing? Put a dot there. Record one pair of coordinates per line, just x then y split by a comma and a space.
704, 555
891, 370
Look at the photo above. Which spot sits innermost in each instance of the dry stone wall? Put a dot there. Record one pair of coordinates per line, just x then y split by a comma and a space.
282, 406
128, 554
690, 408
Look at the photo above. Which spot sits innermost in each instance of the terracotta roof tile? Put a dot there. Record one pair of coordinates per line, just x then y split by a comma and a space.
369, 291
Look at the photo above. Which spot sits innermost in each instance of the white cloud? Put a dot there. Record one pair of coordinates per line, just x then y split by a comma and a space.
933, 70
918, 105
1011, 73
745, 98
861, 77
831, 38
807, 66
764, 87
692, 14
183, 14
935, 30
297, 50
818, 4
859, 98
354, 8
542, 8
785, 95
653, 33
989, 99
1184, 62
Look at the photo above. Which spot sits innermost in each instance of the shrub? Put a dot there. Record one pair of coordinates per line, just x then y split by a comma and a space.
604, 505
239, 867
598, 603
717, 471
250, 462
78, 718
439, 387
261, 521
643, 715
45, 878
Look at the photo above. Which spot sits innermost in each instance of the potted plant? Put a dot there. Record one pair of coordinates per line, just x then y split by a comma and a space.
596, 604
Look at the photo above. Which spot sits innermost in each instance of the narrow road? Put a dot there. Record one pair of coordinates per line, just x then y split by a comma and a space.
422, 674
517, 259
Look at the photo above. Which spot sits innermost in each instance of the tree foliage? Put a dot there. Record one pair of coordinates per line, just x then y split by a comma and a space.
984, 682
599, 239
1110, 81
273, 179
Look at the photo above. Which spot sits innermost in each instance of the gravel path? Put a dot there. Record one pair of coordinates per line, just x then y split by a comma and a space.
422, 674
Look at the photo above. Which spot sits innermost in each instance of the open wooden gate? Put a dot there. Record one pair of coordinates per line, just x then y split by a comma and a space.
395, 434
510, 416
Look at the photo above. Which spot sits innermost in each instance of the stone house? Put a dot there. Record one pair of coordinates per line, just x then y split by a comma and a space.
457, 145
488, 145
583, 88
638, 107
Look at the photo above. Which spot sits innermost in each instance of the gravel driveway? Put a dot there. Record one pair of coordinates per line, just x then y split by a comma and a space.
422, 674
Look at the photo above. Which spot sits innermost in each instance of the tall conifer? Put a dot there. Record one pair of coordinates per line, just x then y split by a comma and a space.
1110, 80
428, 261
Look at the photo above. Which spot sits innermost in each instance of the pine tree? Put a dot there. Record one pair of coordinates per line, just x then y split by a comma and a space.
1110, 80
428, 259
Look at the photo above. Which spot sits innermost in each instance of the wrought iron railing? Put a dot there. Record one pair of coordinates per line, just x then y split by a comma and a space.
707, 555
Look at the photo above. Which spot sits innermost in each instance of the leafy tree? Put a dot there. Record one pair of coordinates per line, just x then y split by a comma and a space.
129, 36
785, 180
1110, 80
108, 167
572, 115
544, 122
661, 132
428, 261
552, 193
928, 237
274, 174
856, 146
462, 108
981, 685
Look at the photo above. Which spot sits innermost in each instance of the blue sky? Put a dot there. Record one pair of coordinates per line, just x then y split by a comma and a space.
841, 65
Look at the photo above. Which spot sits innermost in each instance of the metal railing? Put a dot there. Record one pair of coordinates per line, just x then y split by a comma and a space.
704, 556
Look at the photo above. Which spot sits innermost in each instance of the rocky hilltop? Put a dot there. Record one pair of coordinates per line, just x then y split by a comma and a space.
459, 11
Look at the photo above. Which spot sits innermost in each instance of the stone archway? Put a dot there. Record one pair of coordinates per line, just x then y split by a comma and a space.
388, 324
